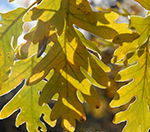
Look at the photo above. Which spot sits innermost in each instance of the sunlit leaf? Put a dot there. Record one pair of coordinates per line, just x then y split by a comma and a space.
68, 72
122, 11
111, 17
128, 48
144, 3
142, 26
83, 16
137, 115
101, 64
88, 44
66, 57
80, 14
10, 29
44, 11
26, 99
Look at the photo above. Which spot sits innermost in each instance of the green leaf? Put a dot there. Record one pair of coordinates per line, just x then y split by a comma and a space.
9, 32
26, 99
144, 3
137, 115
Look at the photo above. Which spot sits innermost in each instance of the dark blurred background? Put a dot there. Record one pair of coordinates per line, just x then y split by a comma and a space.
98, 120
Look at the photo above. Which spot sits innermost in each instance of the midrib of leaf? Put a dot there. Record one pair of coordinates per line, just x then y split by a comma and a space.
146, 28
21, 73
77, 53
144, 75
69, 45
74, 15
77, 77
9, 27
65, 43
66, 60
31, 87
146, 63
144, 78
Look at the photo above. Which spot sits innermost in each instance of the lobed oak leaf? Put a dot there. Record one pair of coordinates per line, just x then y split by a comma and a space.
44, 11
10, 29
82, 16
137, 114
73, 68
42, 34
128, 48
66, 57
142, 27
78, 13
89, 44
26, 99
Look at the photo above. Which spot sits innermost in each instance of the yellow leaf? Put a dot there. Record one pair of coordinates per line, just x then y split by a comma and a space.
72, 68
93, 22
89, 44
28, 97
126, 37
79, 13
144, 3
30, 109
9, 28
137, 114
142, 28
42, 11
66, 57
26, 50
41, 37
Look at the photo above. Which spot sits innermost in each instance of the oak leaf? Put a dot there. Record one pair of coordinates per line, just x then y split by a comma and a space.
137, 114
26, 99
10, 30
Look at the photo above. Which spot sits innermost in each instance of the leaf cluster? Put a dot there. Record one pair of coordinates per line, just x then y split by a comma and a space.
58, 63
